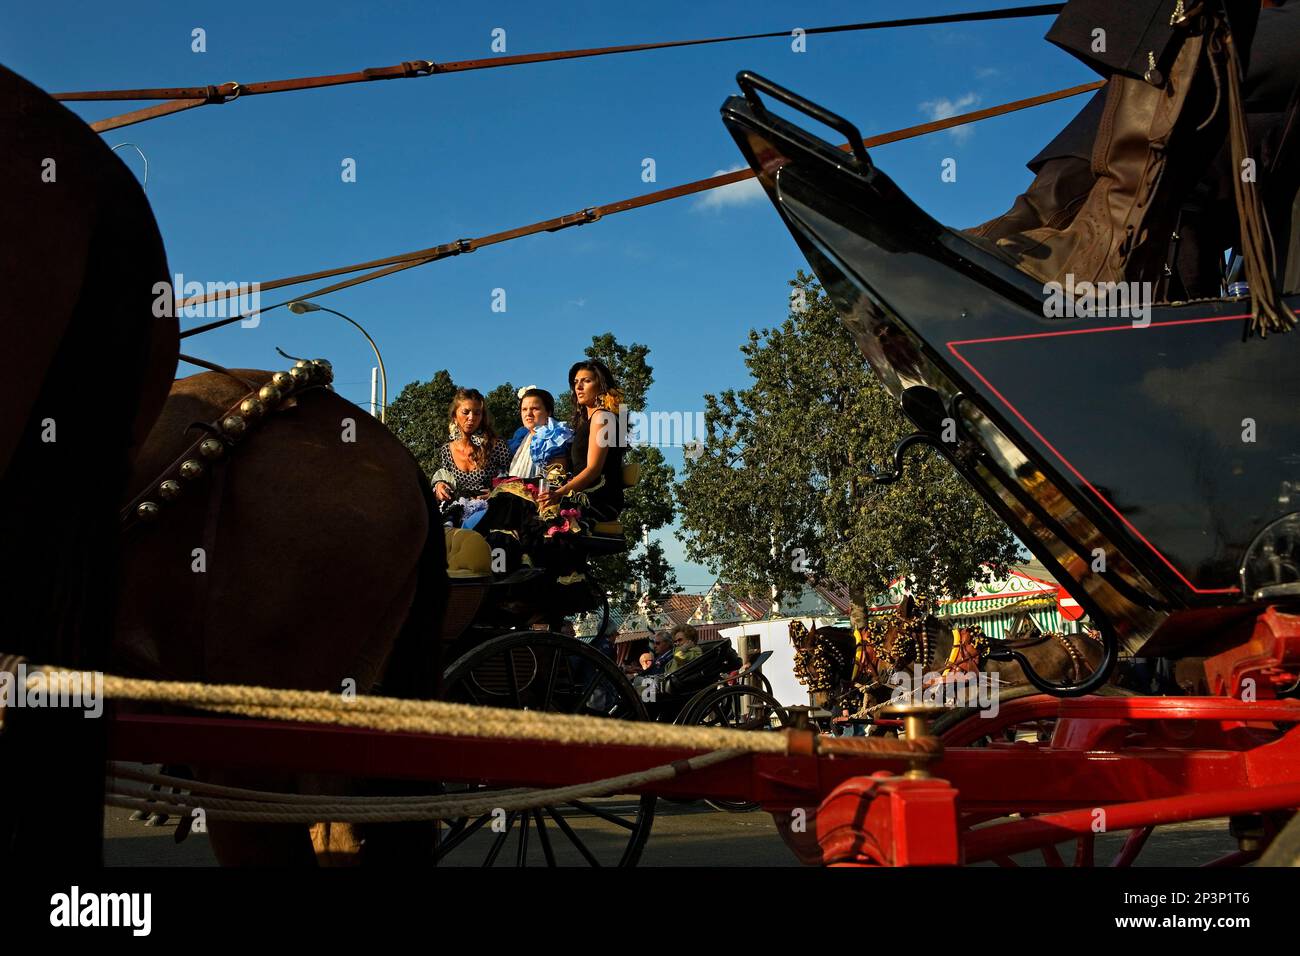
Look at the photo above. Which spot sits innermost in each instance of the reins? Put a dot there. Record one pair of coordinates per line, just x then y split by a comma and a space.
189, 97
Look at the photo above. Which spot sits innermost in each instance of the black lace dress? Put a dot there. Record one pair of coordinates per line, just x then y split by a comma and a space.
471, 484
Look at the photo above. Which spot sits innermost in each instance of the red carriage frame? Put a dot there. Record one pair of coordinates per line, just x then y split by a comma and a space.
1128, 763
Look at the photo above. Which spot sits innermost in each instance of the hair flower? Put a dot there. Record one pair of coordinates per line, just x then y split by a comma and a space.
612, 400
551, 440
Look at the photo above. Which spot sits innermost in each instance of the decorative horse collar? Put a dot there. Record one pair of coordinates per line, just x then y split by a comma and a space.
224, 432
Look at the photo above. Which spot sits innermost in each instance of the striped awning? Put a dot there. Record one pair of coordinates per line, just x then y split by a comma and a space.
993, 607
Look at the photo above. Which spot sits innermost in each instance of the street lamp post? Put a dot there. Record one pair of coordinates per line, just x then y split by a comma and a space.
301, 306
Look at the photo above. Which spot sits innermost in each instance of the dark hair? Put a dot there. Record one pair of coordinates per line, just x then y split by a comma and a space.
548, 400
604, 378
480, 452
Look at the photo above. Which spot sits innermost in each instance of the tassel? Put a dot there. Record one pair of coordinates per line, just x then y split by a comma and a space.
1268, 313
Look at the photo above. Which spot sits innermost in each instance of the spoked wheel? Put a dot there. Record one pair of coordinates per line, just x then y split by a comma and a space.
539, 671
737, 707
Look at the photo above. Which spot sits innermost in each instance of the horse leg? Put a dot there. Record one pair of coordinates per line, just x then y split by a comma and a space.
413, 670
258, 844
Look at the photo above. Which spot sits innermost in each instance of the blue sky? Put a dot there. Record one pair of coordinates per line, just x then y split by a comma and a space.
253, 190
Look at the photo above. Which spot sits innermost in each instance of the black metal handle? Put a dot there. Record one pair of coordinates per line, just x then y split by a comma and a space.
1094, 681
750, 83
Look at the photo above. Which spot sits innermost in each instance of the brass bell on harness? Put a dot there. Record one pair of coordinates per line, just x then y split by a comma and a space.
234, 425
302, 363
252, 407
191, 469
282, 380
147, 510
169, 489
211, 448
270, 395
301, 373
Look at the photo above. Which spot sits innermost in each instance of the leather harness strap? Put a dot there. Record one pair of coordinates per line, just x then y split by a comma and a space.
148, 113
862, 658
202, 95
408, 260
1076, 658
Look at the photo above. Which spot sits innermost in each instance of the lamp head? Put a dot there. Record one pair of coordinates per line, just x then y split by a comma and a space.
299, 306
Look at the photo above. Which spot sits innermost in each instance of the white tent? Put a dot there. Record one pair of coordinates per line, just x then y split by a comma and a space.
774, 636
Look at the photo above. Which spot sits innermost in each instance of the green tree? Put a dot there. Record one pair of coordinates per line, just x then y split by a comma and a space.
418, 417
503, 405
780, 494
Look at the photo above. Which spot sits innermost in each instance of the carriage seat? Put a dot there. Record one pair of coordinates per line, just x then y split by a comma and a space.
468, 554
716, 658
607, 536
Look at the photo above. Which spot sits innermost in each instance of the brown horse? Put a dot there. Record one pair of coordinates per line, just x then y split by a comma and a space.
305, 561
84, 370
303, 557
846, 672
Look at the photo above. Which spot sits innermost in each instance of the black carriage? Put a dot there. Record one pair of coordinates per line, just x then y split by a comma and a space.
503, 640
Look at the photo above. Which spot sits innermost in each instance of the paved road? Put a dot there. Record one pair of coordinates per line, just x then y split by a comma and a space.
682, 835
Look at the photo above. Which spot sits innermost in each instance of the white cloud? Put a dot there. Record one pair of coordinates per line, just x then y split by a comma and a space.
737, 194
984, 72
943, 108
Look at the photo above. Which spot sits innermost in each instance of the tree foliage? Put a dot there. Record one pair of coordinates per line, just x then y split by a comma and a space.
780, 495
418, 416
503, 405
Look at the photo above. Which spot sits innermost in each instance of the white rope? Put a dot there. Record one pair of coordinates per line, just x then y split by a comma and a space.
301, 808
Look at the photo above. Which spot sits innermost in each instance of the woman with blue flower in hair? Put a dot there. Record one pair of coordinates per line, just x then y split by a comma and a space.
540, 440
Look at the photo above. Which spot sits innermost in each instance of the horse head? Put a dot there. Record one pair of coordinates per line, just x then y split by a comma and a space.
816, 661
908, 635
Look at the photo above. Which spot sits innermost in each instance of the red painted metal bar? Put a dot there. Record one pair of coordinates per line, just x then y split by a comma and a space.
1133, 845
1043, 707
1008, 779
1022, 835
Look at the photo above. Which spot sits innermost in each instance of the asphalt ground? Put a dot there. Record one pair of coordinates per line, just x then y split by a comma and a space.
681, 835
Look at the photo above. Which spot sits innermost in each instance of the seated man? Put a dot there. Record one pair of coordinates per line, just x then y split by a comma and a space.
662, 652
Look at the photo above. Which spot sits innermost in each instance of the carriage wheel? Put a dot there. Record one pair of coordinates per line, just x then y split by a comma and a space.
540, 671
738, 707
